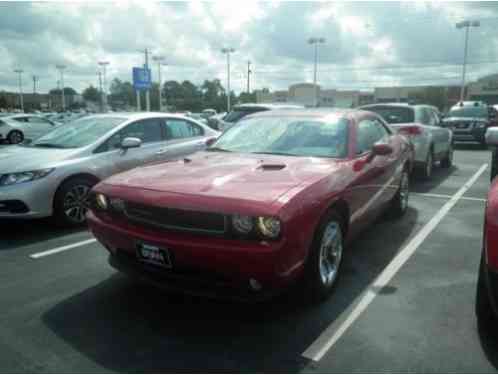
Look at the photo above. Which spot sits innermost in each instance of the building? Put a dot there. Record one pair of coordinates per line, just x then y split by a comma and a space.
484, 89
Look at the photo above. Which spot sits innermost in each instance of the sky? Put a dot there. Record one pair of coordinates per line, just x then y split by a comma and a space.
366, 45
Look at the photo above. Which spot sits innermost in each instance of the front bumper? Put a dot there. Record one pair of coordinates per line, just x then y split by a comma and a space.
27, 200
202, 265
472, 135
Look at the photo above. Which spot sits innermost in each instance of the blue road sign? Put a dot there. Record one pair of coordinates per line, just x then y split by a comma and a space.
141, 78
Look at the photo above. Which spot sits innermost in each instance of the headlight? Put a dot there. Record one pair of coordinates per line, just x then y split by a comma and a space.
101, 201
242, 223
20, 177
269, 226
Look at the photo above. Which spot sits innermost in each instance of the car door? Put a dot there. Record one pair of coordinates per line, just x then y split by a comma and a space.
183, 138
374, 175
118, 160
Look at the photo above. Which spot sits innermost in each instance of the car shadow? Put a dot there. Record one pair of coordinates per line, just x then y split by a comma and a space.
439, 176
14, 232
127, 327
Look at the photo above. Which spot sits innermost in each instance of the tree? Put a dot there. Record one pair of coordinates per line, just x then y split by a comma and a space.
67, 91
122, 93
3, 102
91, 94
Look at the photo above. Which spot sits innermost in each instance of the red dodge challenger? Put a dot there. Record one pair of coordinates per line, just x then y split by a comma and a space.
274, 200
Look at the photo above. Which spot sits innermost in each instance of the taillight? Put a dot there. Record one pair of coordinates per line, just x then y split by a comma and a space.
411, 130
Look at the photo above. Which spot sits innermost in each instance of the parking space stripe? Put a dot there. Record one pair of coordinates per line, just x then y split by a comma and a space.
444, 196
331, 335
62, 248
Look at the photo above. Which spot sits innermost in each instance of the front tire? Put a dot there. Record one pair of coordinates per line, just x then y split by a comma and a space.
15, 137
399, 204
72, 201
447, 162
325, 258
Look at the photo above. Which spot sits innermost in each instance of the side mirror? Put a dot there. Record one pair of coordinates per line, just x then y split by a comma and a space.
381, 149
131, 142
492, 136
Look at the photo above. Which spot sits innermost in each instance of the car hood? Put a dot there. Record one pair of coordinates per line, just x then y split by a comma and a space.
262, 178
21, 159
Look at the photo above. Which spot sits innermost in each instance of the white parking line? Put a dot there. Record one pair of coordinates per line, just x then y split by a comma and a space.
331, 335
62, 248
444, 196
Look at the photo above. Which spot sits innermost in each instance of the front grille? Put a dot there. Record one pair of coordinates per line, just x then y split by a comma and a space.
176, 219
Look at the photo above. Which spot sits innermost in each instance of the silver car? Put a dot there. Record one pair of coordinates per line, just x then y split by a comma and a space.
17, 128
53, 174
422, 125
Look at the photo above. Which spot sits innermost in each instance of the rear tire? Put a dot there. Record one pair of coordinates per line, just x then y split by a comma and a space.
324, 261
15, 137
72, 201
399, 204
447, 162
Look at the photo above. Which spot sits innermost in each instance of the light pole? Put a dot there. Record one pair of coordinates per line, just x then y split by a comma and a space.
159, 60
99, 73
315, 41
20, 72
228, 51
104, 64
61, 71
467, 25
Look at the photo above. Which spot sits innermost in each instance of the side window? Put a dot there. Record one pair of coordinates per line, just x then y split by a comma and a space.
148, 131
433, 119
369, 132
21, 119
37, 120
178, 129
425, 117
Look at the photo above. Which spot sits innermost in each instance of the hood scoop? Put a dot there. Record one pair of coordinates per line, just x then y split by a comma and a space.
271, 167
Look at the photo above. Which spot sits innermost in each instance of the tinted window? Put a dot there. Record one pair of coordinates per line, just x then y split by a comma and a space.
38, 120
423, 116
178, 129
147, 130
394, 114
369, 132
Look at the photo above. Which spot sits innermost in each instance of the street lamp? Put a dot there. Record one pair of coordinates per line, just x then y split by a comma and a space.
228, 51
104, 64
61, 71
20, 72
316, 42
159, 60
467, 25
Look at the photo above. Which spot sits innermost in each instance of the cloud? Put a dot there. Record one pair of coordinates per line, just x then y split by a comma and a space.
367, 44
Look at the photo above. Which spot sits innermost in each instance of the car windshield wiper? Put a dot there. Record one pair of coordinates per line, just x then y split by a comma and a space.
273, 153
217, 149
47, 145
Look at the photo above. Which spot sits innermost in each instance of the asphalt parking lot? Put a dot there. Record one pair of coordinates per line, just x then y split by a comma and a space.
405, 302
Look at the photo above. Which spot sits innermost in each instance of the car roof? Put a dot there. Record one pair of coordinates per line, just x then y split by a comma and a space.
139, 115
267, 106
308, 112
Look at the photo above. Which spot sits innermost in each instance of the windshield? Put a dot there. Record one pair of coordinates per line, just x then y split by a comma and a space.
394, 115
295, 136
468, 112
78, 133
236, 114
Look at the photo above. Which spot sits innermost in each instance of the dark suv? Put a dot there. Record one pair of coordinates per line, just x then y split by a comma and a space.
469, 121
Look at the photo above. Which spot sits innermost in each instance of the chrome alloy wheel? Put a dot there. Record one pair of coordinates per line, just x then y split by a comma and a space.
76, 203
330, 253
15, 137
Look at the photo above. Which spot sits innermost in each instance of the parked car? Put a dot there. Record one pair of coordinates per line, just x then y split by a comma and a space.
208, 112
487, 283
213, 121
469, 121
240, 111
18, 128
53, 174
420, 123
274, 199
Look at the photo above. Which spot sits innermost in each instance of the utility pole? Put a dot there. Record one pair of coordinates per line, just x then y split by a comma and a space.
99, 73
147, 92
467, 25
315, 42
21, 101
104, 64
61, 71
159, 60
228, 51
248, 77
35, 79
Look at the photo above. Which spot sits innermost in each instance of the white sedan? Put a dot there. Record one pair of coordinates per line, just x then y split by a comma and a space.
17, 128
